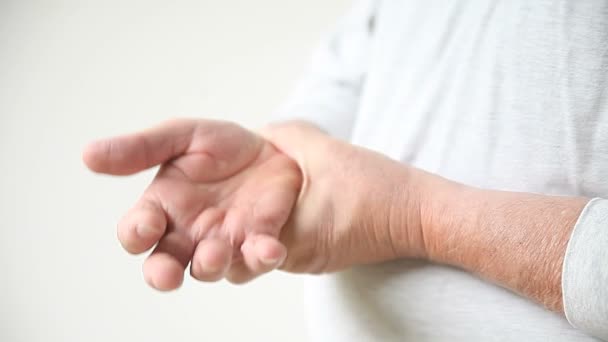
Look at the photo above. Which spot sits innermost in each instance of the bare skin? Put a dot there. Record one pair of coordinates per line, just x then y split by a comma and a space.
234, 204
224, 201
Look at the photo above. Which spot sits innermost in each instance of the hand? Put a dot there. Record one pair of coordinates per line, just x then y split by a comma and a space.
218, 201
224, 200
355, 206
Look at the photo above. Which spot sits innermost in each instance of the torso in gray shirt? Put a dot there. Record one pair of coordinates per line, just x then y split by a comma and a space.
497, 94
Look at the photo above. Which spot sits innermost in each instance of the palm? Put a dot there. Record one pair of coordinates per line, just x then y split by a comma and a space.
255, 199
220, 202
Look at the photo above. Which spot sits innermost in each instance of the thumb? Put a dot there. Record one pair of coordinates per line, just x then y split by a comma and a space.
132, 153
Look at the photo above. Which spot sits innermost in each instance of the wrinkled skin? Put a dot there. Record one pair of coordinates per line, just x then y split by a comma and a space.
234, 204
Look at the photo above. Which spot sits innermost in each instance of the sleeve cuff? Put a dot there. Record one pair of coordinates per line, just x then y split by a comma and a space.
585, 271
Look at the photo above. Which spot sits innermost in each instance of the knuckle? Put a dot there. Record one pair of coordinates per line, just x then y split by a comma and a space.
200, 275
125, 234
239, 275
238, 280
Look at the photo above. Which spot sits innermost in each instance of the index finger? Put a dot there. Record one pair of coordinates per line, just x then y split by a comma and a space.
132, 153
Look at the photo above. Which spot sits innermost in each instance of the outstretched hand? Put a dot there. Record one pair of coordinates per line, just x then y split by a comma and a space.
234, 204
218, 202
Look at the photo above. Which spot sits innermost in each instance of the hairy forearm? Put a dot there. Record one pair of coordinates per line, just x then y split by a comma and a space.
517, 240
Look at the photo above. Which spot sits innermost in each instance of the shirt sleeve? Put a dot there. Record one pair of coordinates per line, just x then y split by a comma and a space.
328, 94
585, 272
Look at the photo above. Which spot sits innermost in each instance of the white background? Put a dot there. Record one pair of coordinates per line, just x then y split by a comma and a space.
75, 70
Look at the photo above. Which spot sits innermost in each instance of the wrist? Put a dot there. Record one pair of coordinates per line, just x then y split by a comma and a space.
421, 212
447, 209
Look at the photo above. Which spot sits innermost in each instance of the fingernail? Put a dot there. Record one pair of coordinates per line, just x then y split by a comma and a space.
146, 231
270, 260
211, 269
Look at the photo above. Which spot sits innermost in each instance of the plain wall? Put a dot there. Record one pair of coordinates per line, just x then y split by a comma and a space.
74, 70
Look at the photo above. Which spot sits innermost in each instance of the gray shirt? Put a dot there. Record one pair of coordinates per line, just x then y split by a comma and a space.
508, 95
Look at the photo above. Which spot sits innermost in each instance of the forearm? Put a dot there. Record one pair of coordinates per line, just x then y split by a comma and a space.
517, 240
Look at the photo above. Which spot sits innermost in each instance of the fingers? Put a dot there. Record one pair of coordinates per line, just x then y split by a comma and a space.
164, 268
211, 259
132, 153
142, 227
260, 254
